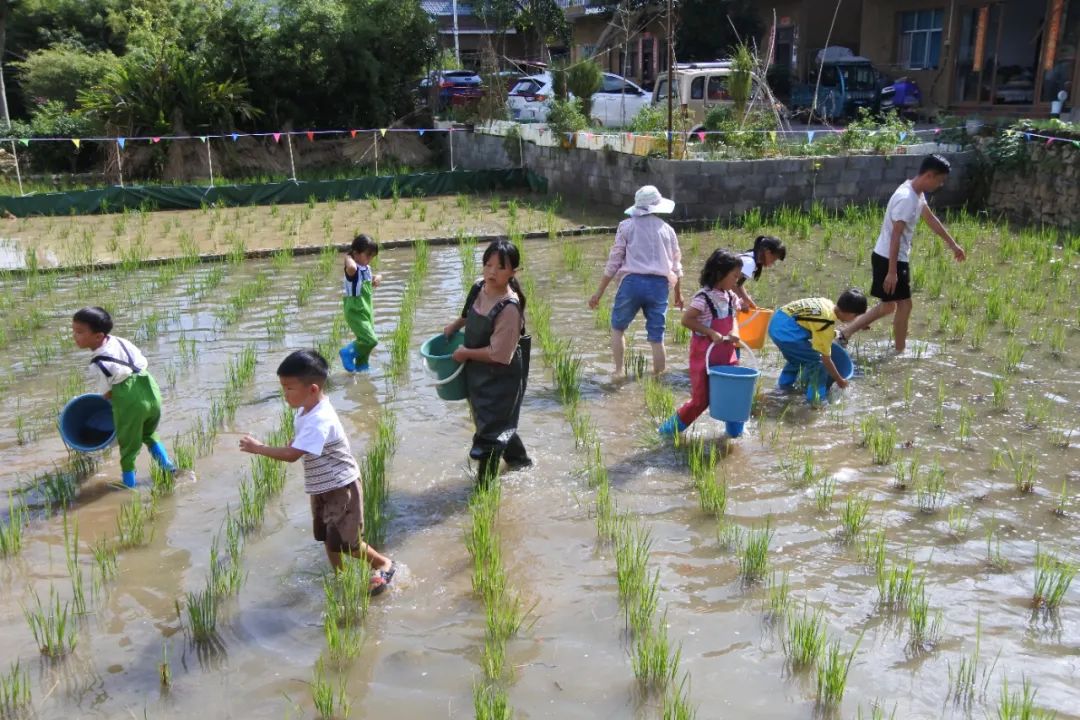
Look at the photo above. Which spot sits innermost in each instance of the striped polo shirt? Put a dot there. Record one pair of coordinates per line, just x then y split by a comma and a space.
328, 460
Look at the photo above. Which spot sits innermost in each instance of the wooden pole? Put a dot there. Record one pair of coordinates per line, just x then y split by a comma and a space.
670, 87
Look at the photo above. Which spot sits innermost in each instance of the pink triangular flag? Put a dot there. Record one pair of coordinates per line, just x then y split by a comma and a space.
155, 139
277, 137
701, 135
352, 133
1049, 142
310, 136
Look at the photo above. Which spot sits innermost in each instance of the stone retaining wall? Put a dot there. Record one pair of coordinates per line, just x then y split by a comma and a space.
714, 189
1044, 192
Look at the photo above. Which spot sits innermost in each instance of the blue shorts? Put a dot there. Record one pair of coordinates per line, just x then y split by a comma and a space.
648, 293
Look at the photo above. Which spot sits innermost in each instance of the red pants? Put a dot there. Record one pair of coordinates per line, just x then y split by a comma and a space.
724, 354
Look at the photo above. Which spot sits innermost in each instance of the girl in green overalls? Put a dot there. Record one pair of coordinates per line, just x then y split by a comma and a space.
359, 284
124, 381
496, 353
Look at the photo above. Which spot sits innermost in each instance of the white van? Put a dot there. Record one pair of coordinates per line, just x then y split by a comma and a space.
699, 87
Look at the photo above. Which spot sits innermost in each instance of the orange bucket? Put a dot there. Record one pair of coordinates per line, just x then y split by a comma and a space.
754, 326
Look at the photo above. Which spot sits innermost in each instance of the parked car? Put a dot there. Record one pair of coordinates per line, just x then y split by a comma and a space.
614, 105
699, 87
849, 82
455, 87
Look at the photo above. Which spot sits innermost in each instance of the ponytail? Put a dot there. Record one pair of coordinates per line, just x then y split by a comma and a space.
516, 287
761, 244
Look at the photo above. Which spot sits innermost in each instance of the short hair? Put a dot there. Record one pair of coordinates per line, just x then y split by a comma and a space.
305, 365
935, 164
852, 300
364, 244
96, 318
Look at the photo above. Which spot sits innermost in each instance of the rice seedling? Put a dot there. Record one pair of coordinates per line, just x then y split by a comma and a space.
799, 467
164, 669
163, 481
994, 558
1053, 576
201, 612
1025, 468
1020, 705
823, 493
11, 532
493, 659
1036, 411
832, 674
677, 703
1057, 339
226, 578
924, 625
778, 600
1000, 398
275, 324
566, 368
805, 638
14, 691
655, 663
754, 562
631, 561
105, 560
330, 703
880, 436
853, 517
729, 536
970, 679
959, 520
964, 419
490, 702
52, 624
939, 408
930, 489
977, 338
895, 584
132, 523
659, 400
635, 364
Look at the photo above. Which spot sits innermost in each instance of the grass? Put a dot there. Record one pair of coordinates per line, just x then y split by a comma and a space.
924, 625
1053, 576
880, 437
778, 601
824, 490
805, 639
970, 678
1020, 705
11, 532
201, 613
164, 668
832, 674
52, 624
853, 517
677, 703
1025, 468
895, 584
654, 661
930, 489
132, 524
330, 702
14, 691
754, 561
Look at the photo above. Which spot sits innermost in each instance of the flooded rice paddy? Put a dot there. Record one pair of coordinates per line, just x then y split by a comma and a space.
952, 465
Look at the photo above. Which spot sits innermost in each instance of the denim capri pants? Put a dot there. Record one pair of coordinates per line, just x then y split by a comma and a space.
648, 293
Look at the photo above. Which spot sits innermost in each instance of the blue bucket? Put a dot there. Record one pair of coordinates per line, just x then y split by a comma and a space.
731, 392
437, 352
86, 423
842, 361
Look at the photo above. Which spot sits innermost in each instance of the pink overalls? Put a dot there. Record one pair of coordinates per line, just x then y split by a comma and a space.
722, 354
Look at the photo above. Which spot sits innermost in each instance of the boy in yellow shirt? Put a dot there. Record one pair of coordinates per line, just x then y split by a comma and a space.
803, 330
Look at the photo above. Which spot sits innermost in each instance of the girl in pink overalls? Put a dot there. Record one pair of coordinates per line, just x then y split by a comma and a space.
711, 316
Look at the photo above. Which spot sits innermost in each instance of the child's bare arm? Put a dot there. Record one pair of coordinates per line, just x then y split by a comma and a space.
350, 266
691, 320
940, 230
454, 327
830, 367
285, 454
745, 297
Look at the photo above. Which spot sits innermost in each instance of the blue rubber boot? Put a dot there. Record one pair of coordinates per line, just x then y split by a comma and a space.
128, 476
161, 456
362, 368
734, 429
348, 357
672, 425
788, 377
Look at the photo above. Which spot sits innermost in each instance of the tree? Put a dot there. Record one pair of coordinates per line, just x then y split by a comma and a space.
544, 19
583, 79
60, 71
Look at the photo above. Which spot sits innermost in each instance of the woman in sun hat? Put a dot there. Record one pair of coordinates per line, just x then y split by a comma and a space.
647, 260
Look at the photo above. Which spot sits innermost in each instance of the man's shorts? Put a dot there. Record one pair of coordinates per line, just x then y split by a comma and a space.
880, 266
338, 517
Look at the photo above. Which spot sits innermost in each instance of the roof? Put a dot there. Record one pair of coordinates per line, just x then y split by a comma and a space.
445, 8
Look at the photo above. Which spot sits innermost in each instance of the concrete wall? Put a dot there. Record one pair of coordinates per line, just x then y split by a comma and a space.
1046, 192
713, 189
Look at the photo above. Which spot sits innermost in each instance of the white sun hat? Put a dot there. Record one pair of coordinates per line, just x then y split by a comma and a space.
648, 200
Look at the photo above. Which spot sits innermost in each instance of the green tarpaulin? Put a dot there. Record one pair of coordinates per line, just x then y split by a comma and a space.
116, 199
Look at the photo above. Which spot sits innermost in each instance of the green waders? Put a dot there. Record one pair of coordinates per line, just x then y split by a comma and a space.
359, 316
136, 406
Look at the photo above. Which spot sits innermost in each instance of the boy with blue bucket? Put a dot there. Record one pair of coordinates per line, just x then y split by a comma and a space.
121, 371
803, 331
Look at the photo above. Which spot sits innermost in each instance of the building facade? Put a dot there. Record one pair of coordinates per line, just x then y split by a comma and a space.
631, 44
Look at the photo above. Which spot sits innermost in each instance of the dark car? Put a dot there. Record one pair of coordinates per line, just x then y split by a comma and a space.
455, 87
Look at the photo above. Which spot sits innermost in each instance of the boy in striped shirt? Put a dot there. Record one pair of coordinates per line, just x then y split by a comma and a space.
331, 474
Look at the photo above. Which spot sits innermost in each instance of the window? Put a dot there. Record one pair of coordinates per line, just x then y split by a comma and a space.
919, 46
717, 88
616, 85
697, 89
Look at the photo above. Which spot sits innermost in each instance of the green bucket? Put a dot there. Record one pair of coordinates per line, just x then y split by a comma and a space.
437, 351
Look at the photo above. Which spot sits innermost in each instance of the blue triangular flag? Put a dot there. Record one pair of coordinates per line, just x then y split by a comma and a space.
809, 136
421, 132
120, 142
1027, 136
902, 136
235, 137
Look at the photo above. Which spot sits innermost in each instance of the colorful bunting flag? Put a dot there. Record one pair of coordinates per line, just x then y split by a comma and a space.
809, 136
24, 141
235, 137
701, 135
352, 134
1027, 136
903, 135
155, 139
421, 131
277, 137
202, 138
382, 131
772, 136
76, 142
120, 141
310, 136
1049, 142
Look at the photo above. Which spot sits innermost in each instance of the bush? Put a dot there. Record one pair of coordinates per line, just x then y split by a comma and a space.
583, 79
53, 119
59, 71
750, 137
566, 117
653, 119
868, 133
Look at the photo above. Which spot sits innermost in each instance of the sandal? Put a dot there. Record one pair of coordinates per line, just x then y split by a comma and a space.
380, 580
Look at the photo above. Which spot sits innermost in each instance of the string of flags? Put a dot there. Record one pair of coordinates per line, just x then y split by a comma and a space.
122, 141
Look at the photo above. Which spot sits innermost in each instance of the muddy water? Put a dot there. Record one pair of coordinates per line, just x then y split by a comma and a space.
423, 645
80, 240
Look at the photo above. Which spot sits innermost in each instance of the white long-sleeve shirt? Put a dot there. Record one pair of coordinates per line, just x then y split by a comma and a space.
106, 372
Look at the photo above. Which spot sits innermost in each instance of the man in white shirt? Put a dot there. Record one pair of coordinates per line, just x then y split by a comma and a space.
889, 260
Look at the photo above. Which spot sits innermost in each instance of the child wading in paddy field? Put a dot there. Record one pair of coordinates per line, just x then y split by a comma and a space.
803, 330
359, 314
496, 356
766, 251
711, 316
121, 372
331, 475
889, 260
